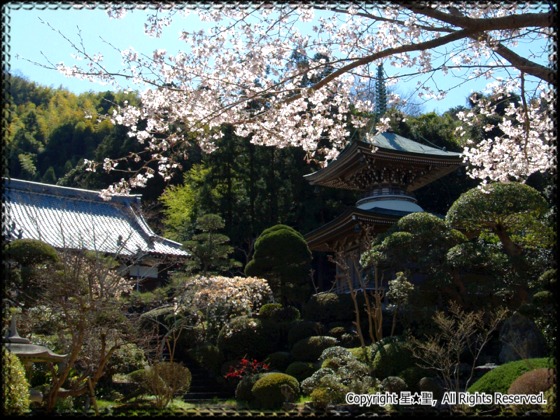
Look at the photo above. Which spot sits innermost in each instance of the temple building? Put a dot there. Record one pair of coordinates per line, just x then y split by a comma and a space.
78, 219
386, 169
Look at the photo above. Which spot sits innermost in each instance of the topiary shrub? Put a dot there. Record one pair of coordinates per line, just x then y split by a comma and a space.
249, 337
15, 388
279, 313
309, 349
243, 391
500, 378
412, 376
273, 389
301, 370
391, 359
279, 360
31, 252
281, 256
268, 309
533, 382
330, 391
432, 385
394, 384
303, 329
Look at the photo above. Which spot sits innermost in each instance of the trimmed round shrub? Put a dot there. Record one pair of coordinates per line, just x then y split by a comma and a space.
243, 391
15, 388
301, 370
432, 385
303, 329
321, 398
31, 251
247, 337
394, 384
268, 309
533, 382
500, 378
329, 391
309, 349
309, 384
337, 332
279, 313
273, 389
391, 359
412, 376
279, 360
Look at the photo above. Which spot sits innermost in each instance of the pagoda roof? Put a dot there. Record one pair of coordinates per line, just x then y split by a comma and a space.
349, 226
386, 159
72, 218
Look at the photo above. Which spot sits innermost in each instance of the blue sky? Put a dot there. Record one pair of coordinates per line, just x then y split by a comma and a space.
29, 39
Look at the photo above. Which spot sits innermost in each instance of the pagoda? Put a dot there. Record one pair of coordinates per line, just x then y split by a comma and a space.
386, 169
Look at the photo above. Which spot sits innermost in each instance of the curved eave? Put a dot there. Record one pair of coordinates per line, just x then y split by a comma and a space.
344, 227
360, 155
34, 353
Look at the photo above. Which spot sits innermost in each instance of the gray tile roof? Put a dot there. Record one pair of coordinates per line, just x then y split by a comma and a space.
392, 141
73, 218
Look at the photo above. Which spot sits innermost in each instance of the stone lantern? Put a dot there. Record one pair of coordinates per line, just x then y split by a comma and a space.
29, 353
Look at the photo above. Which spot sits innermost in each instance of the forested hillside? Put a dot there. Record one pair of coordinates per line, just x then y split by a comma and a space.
51, 131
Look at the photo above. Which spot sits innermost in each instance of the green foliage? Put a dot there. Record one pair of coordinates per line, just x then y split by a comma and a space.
394, 384
309, 349
391, 359
244, 389
209, 249
417, 246
301, 370
163, 380
303, 329
249, 337
284, 259
500, 379
341, 373
279, 360
15, 388
273, 389
31, 252
159, 319
49, 133
329, 307
126, 359
533, 382
412, 376
279, 313
209, 356
509, 209
268, 309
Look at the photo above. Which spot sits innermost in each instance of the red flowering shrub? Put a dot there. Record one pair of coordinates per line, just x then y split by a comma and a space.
246, 367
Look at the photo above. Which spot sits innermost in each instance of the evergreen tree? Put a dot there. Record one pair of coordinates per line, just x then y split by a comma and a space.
209, 249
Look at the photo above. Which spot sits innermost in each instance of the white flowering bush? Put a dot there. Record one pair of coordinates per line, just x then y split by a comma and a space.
219, 299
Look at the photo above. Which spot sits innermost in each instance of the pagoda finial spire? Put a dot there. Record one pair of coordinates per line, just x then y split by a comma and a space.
380, 93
